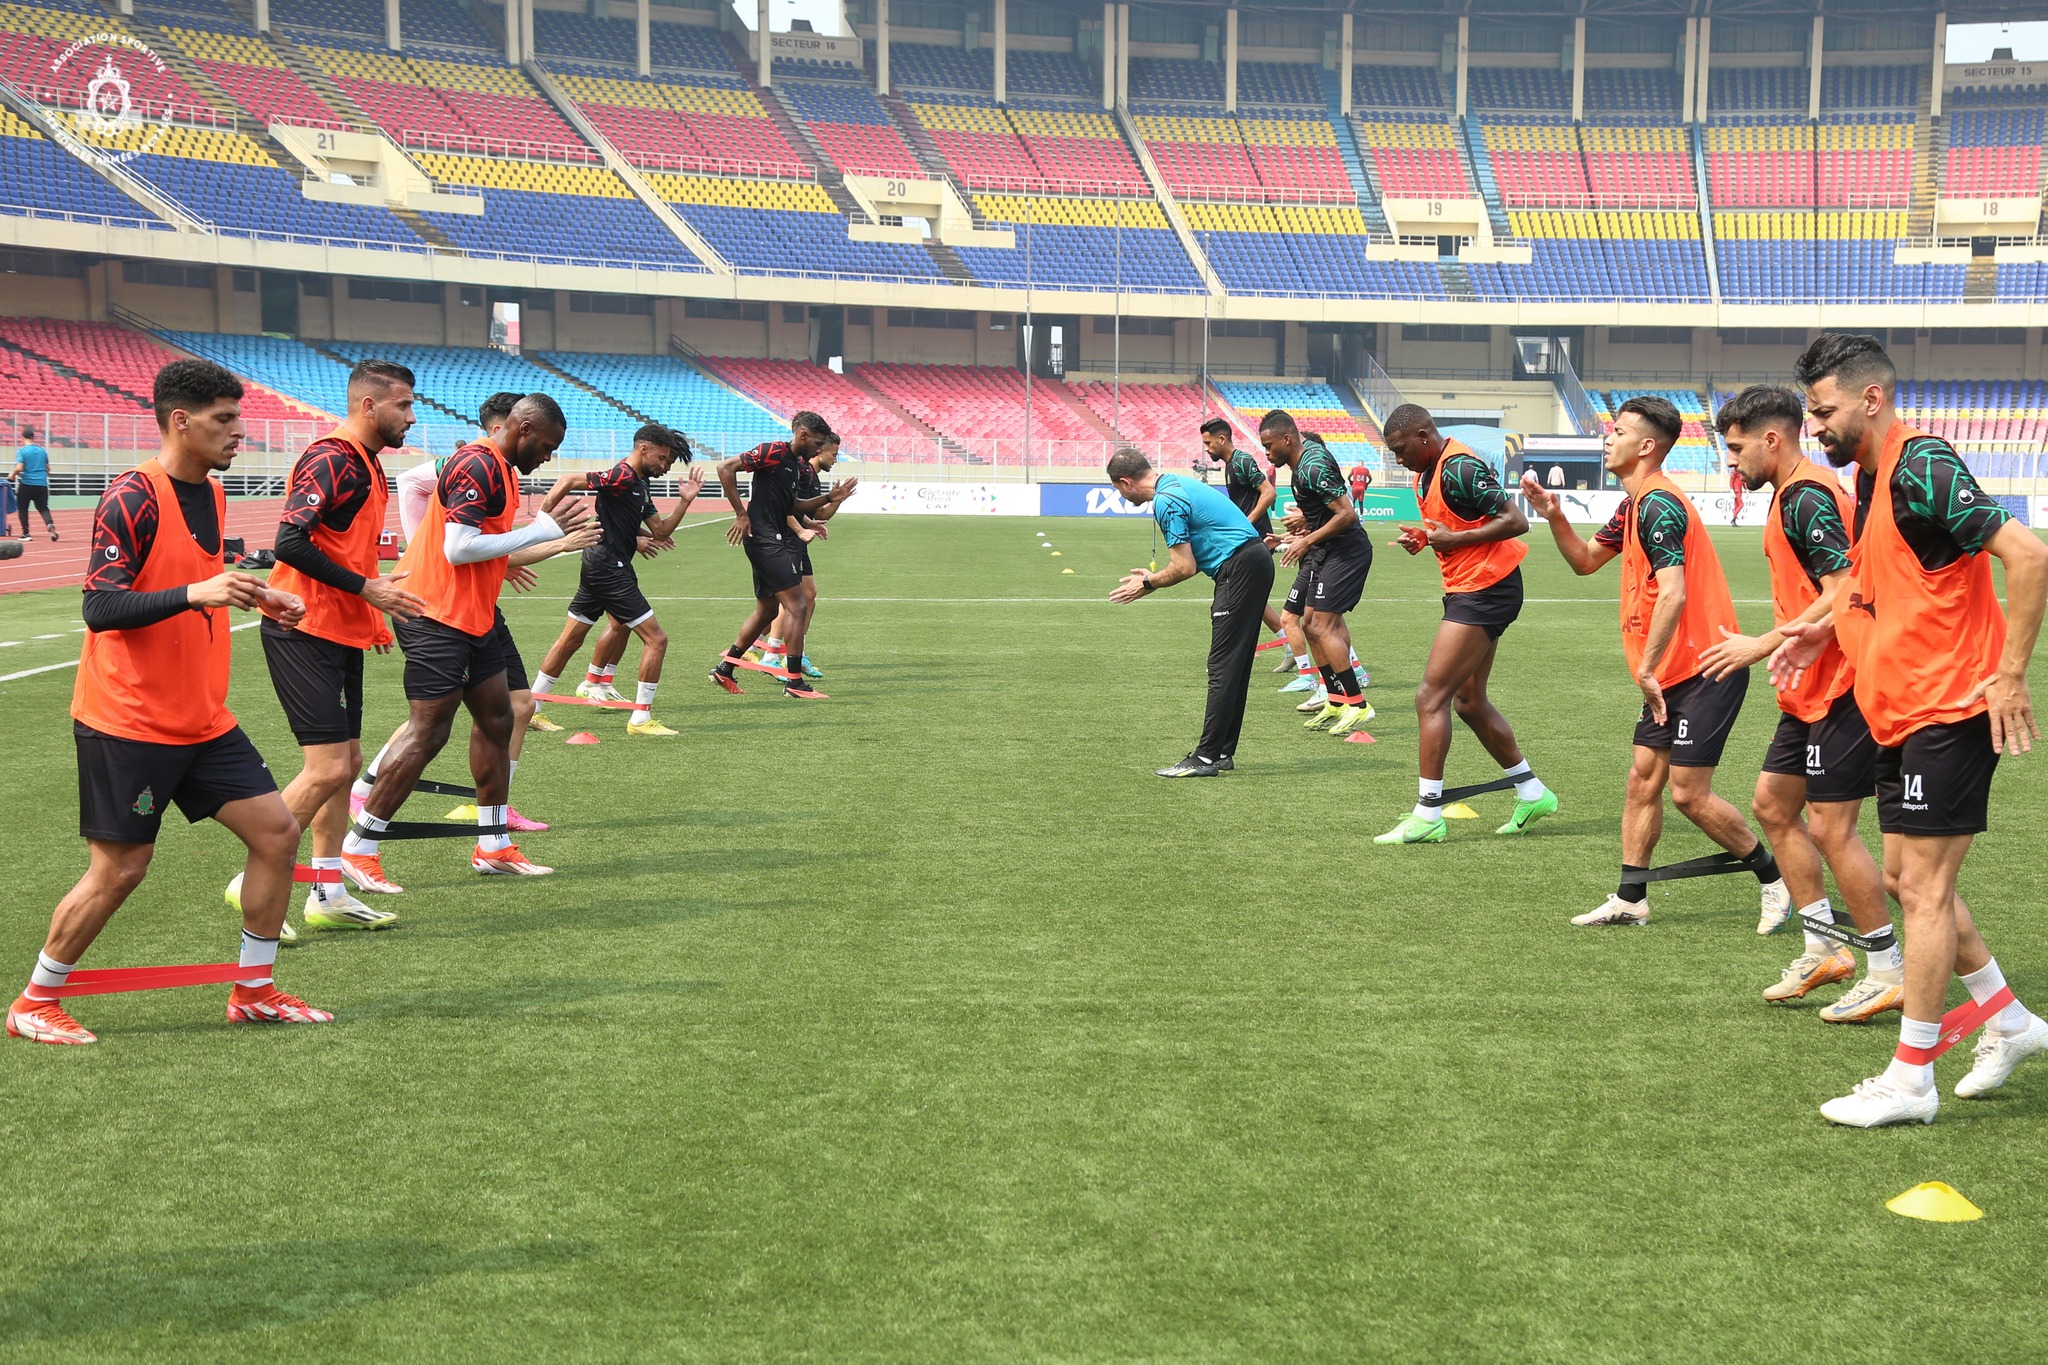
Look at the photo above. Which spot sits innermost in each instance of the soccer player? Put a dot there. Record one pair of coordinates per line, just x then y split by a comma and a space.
1204, 533
1674, 605
1251, 491
32, 482
327, 553
454, 656
1334, 554
1361, 480
814, 507
609, 586
1475, 530
761, 525
149, 707
1941, 675
415, 493
1821, 763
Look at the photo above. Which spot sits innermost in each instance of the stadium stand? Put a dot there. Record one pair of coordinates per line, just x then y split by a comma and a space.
1082, 244
1316, 407
692, 121
126, 361
453, 101
785, 387
1696, 451
1157, 414
1994, 153
460, 378
37, 177
677, 394
1303, 249
783, 227
852, 126
545, 210
285, 366
983, 408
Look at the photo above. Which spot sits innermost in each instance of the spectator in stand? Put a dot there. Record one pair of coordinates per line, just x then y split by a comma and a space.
31, 478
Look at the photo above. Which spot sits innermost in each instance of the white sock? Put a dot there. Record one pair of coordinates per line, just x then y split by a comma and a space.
1824, 912
1527, 785
324, 891
492, 843
260, 955
544, 683
368, 780
645, 699
1887, 964
356, 845
1916, 1077
1431, 806
1304, 663
48, 975
1988, 981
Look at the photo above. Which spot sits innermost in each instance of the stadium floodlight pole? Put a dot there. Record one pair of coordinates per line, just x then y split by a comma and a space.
1116, 341
1028, 339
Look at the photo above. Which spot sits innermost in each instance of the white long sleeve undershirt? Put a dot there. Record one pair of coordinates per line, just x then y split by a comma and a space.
467, 545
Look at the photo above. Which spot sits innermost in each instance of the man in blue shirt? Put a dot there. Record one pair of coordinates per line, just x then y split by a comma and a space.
1204, 533
32, 481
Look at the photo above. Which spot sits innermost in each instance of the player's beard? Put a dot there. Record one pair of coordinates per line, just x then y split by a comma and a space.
1841, 450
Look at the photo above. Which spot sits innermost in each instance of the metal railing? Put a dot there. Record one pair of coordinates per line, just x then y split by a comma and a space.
149, 110
1578, 404
1617, 203
982, 182
680, 164
518, 149
1260, 194
1377, 391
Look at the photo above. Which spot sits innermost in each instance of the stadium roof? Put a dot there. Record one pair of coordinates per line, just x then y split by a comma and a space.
1922, 11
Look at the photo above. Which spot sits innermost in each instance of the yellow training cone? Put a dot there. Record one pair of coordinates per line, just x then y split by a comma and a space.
1460, 811
1066, 570
1057, 554
1934, 1202
461, 813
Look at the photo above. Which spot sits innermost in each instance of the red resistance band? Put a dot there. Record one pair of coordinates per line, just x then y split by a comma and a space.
114, 980
587, 701
787, 675
318, 876
1271, 644
1958, 1024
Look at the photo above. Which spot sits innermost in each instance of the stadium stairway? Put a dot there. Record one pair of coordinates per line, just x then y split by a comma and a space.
1347, 151
1457, 283
1127, 128
1087, 414
1482, 172
1930, 150
321, 84
536, 359
1980, 280
346, 362
882, 400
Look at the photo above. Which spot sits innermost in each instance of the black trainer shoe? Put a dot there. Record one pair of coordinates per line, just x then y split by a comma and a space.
1194, 765
1225, 764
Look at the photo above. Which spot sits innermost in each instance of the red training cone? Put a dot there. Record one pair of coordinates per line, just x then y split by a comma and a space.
581, 737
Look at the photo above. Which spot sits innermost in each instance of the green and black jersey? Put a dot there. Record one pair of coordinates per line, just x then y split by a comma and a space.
1318, 485
1471, 488
1813, 527
1243, 477
1661, 520
1941, 510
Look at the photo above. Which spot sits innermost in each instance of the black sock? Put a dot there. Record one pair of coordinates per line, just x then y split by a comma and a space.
1760, 861
1635, 893
725, 664
1347, 679
1329, 679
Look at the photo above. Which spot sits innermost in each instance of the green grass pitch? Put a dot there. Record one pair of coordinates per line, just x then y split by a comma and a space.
926, 1024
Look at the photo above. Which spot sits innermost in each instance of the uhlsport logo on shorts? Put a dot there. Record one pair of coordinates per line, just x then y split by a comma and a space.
94, 72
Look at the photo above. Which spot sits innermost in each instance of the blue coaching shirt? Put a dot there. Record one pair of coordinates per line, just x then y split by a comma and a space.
1193, 513
35, 466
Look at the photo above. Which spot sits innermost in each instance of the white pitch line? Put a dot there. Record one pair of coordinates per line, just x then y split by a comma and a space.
73, 663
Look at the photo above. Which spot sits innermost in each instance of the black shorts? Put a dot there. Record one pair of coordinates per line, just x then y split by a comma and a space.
515, 667
439, 659
124, 784
608, 589
1698, 714
803, 560
1835, 754
1492, 609
1332, 579
36, 495
777, 566
318, 683
1939, 781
